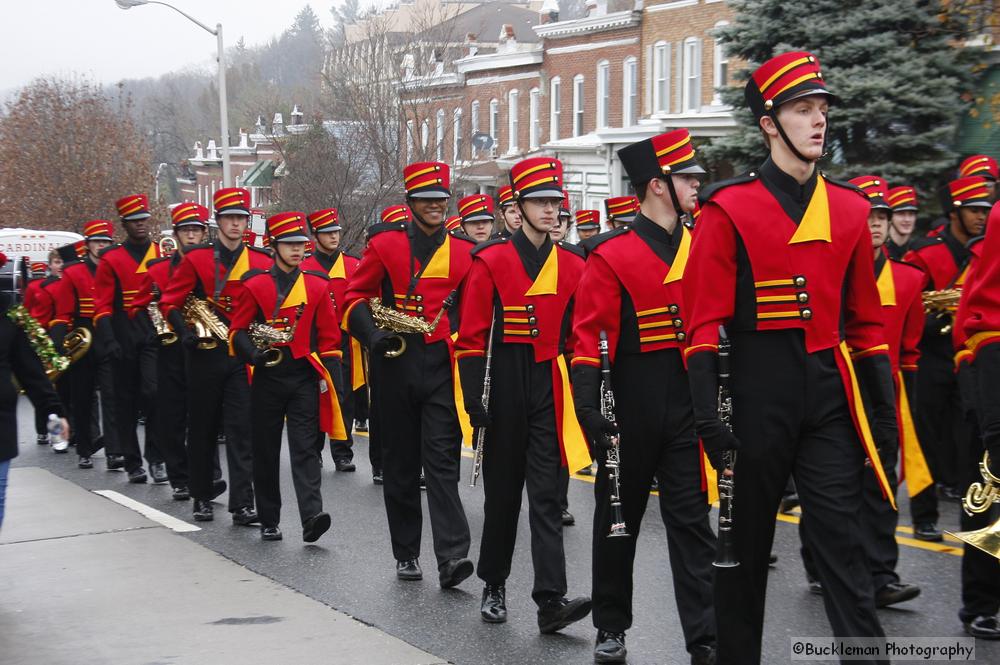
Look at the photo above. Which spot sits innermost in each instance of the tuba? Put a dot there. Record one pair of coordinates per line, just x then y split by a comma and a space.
168, 245
76, 343
207, 326
978, 499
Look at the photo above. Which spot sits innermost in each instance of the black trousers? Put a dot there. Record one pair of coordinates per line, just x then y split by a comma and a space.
980, 571
791, 415
878, 524
657, 439
109, 410
522, 449
83, 386
937, 418
418, 427
286, 393
368, 401
135, 387
219, 393
64, 389
171, 421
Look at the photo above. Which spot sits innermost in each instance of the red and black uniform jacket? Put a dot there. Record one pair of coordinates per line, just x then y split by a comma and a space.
899, 288
410, 271
210, 272
307, 305
122, 290
945, 262
340, 267
74, 298
526, 294
771, 254
39, 300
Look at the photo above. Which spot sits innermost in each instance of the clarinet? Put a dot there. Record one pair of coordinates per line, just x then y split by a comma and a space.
477, 460
725, 555
612, 459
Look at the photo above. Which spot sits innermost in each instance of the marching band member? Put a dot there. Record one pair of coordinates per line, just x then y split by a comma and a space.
903, 202
414, 267
121, 295
477, 216
783, 259
190, 228
39, 301
510, 214
944, 258
621, 210
588, 224
302, 387
631, 289
218, 384
519, 294
338, 266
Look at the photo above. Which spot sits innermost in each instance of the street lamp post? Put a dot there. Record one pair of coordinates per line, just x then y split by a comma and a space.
227, 180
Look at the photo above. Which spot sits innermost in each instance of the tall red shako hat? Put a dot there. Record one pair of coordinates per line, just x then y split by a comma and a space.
875, 188
902, 198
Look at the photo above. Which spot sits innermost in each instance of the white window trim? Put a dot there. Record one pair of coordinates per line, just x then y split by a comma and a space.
456, 136
534, 119
661, 102
691, 69
474, 128
555, 113
718, 57
630, 91
603, 94
439, 135
411, 139
494, 125
512, 120
578, 109
425, 134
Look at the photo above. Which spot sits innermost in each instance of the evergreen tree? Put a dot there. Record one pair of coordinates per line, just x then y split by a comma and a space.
892, 63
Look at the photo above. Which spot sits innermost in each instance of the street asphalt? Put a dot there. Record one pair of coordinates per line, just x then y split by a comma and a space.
351, 569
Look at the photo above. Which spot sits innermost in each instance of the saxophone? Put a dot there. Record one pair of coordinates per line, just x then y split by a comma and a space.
943, 304
265, 337
208, 328
163, 331
388, 318
54, 363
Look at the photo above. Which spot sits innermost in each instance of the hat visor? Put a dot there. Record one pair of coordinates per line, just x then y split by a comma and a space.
543, 194
294, 238
135, 217
982, 203
232, 211
327, 229
100, 237
191, 222
586, 226
905, 208
879, 204
429, 193
480, 217
623, 219
690, 169
806, 91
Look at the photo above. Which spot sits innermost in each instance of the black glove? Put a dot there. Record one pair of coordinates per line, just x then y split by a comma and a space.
245, 349
380, 342
716, 438
188, 339
472, 373
258, 358
875, 378
57, 334
587, 400
363, 329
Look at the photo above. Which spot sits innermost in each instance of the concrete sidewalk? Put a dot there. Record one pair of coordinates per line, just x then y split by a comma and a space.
84, 580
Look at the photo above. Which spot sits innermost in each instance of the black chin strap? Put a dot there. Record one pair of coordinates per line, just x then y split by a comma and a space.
524, 217
676, 201
781, 130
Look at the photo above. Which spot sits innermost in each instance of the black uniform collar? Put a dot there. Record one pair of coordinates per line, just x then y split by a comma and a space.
327, 260
89, 262
663, 243
958, 250
880, 260
284, 279
136, 250
423, 245
533, 258
793, 197
227, 256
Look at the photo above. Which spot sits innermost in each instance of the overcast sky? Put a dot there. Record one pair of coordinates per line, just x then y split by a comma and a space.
95, 37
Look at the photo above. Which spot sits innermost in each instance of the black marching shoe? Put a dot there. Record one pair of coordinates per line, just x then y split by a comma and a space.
315, 526
895, 592
927, 531
772, 559
409, 570
816, 587
203, 511
344, 465
567, 518
137, 476
42, 439
114, 462
454, 572
423, 481
558, 613
85, 462
158, 471
984, 627
360, 425
270, 533
377, 476
245, 516
702, 654
180, 493
789, 502
610, 647
493, 609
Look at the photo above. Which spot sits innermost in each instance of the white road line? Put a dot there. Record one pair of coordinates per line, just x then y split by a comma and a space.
169, 521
